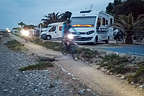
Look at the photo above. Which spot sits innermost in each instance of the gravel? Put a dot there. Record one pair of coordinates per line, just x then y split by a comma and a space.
28, 83
31, 83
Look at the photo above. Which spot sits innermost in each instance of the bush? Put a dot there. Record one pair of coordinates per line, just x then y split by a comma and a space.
39, 66
138, 77
48, 44
86, 54
15, 45
114, 63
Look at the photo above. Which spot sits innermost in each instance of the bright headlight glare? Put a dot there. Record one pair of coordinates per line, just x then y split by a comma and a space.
70, 36
25, 32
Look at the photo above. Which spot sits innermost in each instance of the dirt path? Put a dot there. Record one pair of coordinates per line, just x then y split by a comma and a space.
95, 79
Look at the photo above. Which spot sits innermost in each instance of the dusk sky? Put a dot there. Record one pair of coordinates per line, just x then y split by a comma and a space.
32, 11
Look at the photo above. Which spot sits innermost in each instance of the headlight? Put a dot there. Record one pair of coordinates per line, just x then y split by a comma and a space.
8, 30
90, 32
70, 36
25, 33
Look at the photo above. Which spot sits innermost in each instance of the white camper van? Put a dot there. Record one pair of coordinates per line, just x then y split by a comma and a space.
54, 31
91, 28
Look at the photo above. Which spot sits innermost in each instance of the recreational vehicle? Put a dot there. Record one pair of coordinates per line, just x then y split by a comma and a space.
54, 30
91, 28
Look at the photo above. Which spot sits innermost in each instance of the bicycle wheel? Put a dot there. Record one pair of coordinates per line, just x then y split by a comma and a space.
63, 48
73, 52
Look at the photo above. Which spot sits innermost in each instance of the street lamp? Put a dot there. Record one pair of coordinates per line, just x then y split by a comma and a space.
40, 26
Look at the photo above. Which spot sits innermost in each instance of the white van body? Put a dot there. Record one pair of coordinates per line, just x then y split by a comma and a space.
54, 31
91, 29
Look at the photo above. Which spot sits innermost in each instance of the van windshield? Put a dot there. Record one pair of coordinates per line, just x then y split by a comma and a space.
85, 21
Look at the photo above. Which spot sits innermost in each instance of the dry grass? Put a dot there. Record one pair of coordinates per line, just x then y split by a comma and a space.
39, 66
15, 46
48, 44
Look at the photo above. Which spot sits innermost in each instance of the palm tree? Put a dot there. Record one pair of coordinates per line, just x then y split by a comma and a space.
128, 24
56, 17
21, 24
51, 18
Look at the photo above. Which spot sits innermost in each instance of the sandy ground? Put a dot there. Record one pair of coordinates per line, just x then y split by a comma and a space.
104, 84
51, 81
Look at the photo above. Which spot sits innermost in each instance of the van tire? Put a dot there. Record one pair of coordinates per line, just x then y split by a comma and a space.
48, 37
96, 40
44, 37
107, 41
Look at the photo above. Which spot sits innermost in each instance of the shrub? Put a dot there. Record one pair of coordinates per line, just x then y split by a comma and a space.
138, 77
114, 63
39, 66
86, 54
48, 44
15, 45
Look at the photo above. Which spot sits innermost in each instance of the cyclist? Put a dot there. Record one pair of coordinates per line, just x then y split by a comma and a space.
66, 27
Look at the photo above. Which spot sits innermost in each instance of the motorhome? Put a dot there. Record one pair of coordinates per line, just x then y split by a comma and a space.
91, 28
54, 30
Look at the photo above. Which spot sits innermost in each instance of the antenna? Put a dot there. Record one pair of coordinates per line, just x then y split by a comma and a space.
91, 6
87, 10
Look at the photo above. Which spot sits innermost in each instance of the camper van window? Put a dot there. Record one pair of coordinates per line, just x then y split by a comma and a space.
52, 29
99, 22
111, 21
103, 21
106, 22
60, 28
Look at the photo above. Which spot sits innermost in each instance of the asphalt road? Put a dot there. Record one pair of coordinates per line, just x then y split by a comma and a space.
137, 50
128, 49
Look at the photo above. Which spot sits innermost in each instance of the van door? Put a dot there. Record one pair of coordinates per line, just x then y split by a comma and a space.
101, 28
59, 31
53, 32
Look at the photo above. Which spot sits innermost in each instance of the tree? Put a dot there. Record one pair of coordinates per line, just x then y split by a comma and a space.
109, 8
55, 17
21, 24
42, 25
117, 2
119, 7
136, 7
66, 15
128, 23
51, 18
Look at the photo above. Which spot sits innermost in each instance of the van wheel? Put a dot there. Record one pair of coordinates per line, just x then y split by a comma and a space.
44, 37
107, 41
48, 37
96, 40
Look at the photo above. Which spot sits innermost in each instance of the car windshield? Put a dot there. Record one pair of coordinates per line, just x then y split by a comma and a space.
86, 21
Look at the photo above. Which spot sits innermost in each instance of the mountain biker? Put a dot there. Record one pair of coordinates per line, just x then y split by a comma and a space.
67, 23
68, 44
66, 27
